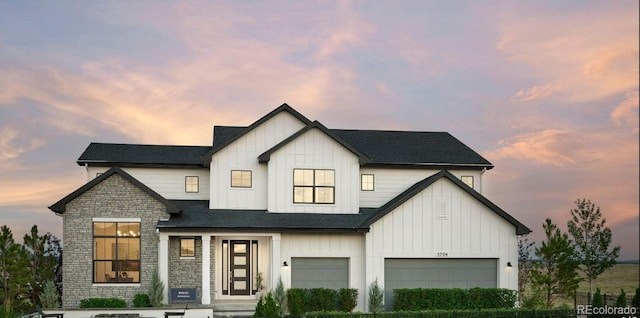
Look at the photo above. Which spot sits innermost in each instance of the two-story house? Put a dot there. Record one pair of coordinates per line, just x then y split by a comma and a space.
290, 199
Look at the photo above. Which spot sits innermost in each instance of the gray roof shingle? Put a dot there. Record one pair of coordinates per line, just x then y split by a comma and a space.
127, 155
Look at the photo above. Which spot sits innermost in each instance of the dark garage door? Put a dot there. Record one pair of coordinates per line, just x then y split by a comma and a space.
319, 273
437, 273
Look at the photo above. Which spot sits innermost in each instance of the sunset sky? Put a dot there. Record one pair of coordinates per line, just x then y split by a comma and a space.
545, 90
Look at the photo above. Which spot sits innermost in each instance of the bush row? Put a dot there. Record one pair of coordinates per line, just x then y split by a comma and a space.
103, 303
321, 299
493, 313
453, 299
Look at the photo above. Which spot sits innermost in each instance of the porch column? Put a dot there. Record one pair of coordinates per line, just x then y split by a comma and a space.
163, 264
206, 269
276, 261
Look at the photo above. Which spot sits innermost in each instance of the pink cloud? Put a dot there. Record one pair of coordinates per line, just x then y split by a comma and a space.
541, 147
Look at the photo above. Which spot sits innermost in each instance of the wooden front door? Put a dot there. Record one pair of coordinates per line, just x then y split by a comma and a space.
240, 268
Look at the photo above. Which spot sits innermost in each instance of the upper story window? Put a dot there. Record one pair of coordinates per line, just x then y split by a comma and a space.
241, 178
191, 184
366, 182
313, 186
188, 247
468, 180
116, 252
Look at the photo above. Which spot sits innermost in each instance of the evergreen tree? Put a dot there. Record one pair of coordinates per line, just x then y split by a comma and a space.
555, 274
156, 289
591, 240
14, 273
281, 297
622, 299
42, 266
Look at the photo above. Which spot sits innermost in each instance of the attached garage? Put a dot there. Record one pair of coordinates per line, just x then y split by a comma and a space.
308, 272
438, 273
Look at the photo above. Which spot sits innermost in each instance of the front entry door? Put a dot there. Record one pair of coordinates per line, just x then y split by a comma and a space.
239, 267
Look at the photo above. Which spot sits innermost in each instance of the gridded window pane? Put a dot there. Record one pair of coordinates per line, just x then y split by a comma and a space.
324, 195
324, 178
366, 183
192, 184
187, 247
116, 252
241, 178
468, 180
303, 177
303, 195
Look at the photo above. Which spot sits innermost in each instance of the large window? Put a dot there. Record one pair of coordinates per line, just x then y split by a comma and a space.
313, 186
116, 252
241, 178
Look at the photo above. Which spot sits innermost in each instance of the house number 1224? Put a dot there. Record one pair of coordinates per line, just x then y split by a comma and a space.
442, 254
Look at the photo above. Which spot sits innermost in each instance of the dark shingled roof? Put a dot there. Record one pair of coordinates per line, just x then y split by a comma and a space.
61, 206
127, 155
196, 215
373, 147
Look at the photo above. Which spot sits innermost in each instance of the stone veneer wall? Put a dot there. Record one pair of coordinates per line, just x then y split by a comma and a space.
185, 272
115, 197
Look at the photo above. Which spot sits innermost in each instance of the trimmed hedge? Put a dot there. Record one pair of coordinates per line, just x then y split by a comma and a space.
493, 313
141, 300
301, 300
453, 299
103, 303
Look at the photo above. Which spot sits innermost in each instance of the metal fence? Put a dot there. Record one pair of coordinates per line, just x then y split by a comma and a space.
583, 299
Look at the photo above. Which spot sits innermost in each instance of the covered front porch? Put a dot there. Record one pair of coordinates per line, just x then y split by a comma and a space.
217, 266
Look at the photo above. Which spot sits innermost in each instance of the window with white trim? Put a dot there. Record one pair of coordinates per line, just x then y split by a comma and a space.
116, 252
188, 247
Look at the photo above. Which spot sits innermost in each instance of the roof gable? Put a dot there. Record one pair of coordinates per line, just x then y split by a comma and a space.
60, 206
217, 146
403, 197
265, 157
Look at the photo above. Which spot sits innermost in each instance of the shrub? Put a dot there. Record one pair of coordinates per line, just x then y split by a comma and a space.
321, 299
347, 299
622, 299
597, 300
280, 297
376, 295
49, 296
156, 289
636, 299
296, 301
141, 300
267, 307
103, 303
453, 298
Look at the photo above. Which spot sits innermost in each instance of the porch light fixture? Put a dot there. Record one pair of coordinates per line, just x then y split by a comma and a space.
509, 264
285, 264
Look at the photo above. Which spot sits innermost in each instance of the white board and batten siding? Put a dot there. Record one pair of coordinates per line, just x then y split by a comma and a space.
314, 150
167, 182
243, 154
389, 183
328, 246
443, 221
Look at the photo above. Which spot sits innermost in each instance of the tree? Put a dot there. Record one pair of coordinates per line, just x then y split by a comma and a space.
14, 273
42, 265
591, 240
156, 289
376, 295
555, 274
281, 297
524, 265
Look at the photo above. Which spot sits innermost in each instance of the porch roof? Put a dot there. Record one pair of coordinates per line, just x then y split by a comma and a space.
196, 215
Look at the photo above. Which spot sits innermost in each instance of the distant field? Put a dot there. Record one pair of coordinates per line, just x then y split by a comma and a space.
621, 276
